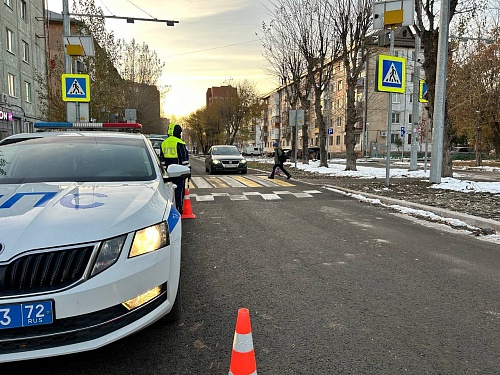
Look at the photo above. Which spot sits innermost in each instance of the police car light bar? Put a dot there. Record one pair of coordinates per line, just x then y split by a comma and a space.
87, 125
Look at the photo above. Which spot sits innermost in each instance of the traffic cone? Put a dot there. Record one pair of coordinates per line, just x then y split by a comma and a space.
243, 355
187, 210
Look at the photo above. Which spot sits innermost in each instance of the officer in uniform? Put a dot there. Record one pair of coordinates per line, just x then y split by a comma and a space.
174, 151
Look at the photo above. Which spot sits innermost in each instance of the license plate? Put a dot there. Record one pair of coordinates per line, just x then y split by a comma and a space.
231, 166
26, 314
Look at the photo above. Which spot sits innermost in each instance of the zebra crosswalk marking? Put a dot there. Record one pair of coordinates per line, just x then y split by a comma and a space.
232, 182
275, 195
246, 181
274, 181
217, 182
210, 182
200, 183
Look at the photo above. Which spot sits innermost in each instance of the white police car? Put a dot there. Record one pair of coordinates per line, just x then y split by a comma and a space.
90, 240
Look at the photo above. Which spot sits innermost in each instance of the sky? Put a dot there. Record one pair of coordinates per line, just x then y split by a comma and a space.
336, 167
214, 43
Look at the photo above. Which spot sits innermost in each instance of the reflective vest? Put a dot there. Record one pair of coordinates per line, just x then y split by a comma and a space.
169, 147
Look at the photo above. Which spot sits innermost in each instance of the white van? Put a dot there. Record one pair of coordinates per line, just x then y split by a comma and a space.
251, 150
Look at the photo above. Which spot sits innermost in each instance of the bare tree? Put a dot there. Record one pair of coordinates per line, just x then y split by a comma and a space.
427, 22
305, 27
352, 20
286, 62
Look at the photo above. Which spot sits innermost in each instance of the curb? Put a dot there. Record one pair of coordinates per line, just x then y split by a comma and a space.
474, 221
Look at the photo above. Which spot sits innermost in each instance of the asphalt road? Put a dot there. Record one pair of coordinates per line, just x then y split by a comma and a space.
333, 286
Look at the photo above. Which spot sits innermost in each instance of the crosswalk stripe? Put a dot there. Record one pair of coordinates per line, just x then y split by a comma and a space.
246, 181
275, 181
216, 182
200, 183
232, 182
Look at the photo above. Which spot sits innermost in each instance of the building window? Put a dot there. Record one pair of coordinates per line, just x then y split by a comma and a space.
394, 138
11, 84
409, 118
396, 98
395, 118
10, 41
337, 140
8, 3
411, 98
339, 104
27, 92
339, 122
22, 10
339, 85
26, 52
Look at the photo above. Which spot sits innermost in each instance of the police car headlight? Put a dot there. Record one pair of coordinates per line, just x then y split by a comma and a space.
109, 251
150, 239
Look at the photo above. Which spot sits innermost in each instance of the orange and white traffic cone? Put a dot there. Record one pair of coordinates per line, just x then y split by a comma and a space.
187, 210
243, 355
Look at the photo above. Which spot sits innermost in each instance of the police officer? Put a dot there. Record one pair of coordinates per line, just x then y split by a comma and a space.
174, 151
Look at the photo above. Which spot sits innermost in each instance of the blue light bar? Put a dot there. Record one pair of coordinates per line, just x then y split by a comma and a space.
53, 125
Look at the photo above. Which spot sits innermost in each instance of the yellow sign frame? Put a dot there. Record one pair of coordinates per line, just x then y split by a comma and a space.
83, 81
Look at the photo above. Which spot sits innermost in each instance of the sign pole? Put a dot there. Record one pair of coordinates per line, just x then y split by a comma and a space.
389, 123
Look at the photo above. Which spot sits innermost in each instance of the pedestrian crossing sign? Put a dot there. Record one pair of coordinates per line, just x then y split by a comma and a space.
391, 74
76, 87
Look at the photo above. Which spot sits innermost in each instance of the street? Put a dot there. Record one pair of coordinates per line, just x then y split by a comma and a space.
333, 286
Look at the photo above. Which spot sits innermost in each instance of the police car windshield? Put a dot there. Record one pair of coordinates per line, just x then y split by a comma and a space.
75, 159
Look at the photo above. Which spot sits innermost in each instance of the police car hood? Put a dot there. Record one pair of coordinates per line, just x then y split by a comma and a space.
44, 215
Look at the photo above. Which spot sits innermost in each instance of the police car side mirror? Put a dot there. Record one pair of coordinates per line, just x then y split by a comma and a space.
176, 171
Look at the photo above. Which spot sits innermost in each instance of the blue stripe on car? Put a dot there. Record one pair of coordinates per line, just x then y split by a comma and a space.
173, 218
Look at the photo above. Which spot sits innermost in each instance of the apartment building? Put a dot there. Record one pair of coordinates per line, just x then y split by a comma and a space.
371, 125
22, 64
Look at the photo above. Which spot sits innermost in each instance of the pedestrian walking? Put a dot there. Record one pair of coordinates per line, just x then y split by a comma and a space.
279, 159
174, 151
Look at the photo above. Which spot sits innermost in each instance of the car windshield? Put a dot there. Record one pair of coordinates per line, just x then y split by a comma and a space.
75, 158
225, 151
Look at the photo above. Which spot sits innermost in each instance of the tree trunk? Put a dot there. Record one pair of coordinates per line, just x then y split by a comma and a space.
350, 140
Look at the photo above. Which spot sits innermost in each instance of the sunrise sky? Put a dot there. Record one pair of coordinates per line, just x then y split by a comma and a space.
215, 41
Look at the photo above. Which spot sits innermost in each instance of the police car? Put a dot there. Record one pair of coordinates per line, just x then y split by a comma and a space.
90, 240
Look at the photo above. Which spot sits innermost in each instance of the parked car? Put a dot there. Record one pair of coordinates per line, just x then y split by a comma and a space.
463, 153
90, 246
225, 158
156, 143
252, 151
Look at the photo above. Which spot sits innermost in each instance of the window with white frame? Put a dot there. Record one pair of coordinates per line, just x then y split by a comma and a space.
339, 122
337, 140
395, 117
339, 85
10, 40
11, 79
27, 92
8, 3
26, 52
396, 98
339, 103
22, 9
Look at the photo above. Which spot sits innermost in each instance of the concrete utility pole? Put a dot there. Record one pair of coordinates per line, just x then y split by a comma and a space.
415, 108
440, 95
389, 122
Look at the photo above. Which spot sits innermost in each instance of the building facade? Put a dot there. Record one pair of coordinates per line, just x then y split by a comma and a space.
22, 64
371, 106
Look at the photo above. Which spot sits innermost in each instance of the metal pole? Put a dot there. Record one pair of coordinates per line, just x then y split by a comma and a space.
415, 109
427, 127
67, 58
389, 124
296, 137
365, 110
439, 98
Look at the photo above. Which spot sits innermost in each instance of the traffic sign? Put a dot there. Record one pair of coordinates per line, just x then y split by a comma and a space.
403, 131
391, 74
76, 87
330, 130
422, 93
